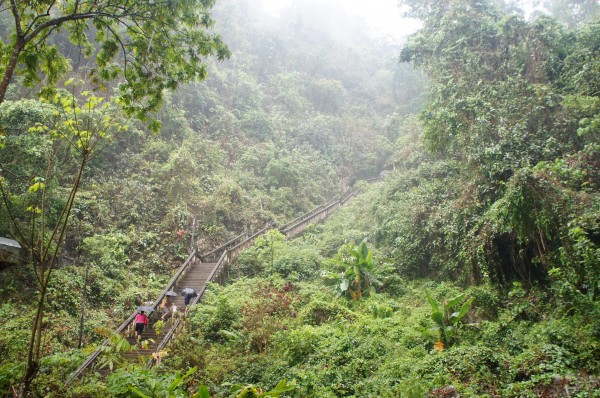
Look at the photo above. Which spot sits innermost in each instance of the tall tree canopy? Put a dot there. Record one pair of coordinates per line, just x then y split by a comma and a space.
513, 106
152, 44
145, 46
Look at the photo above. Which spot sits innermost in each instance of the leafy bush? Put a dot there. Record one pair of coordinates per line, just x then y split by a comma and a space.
297, 344
184, 352
296, 263
217, 318
323, 310
10, 375
14, 330
136, 382
64, 290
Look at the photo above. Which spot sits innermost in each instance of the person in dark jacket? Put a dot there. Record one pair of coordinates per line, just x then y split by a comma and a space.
189, 294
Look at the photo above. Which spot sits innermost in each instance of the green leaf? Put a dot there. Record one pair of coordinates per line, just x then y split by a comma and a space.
344, 285
37, 186
155, 126
34, 209
138, 392
235, 388
465, 308
281, 387
454, 302
453, 318
281, 383
435, 306
202, 392
438, 317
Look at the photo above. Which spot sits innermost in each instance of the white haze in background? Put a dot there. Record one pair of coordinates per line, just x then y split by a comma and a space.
382, 18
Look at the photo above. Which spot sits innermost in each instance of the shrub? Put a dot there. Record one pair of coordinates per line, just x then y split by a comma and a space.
219, 316
263, 315
296, 263
319, 311
297, 344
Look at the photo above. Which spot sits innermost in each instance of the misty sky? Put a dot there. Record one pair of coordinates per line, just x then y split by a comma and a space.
383, 17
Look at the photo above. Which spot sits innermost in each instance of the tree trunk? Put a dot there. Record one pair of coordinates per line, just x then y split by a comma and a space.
33, 365
34, 352
10, 68
87, 267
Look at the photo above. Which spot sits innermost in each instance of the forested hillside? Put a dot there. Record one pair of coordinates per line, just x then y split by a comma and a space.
472, 270
294, 115
479, 276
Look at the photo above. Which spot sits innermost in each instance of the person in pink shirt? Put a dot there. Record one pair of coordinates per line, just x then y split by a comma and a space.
141, 320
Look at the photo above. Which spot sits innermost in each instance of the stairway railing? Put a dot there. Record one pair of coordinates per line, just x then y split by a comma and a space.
229, 252
129, 322
218, 274
217, 251
307, 215
298, 225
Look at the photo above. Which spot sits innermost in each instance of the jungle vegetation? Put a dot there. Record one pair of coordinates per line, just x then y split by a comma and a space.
472, 269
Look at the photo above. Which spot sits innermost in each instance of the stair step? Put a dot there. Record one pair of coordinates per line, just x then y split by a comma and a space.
196, 277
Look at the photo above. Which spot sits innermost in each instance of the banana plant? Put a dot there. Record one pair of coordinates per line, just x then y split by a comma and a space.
446, 317
357, 269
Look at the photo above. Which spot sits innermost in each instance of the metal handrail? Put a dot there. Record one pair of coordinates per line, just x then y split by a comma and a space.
303, 216
222, 247
166, 339
211, 278
349, 194
129, 320
223, 258
317, 210
253, 236
99, 350
287, 227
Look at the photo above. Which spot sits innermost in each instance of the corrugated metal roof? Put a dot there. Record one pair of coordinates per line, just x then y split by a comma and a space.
9, 243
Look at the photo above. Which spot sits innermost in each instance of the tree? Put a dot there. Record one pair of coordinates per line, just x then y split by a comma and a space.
488, 71
514, 105
153, 45
267, 244
72, 133
357, 269
446, 317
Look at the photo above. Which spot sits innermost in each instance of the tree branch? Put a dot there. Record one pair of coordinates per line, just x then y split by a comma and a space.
15, 11
39, 16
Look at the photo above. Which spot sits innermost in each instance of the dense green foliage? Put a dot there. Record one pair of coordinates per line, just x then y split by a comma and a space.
472, 269
260, 328
152, 46
516, 172
266, 138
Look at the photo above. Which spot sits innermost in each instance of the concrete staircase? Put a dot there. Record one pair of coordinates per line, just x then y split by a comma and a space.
194, 274
195, 277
